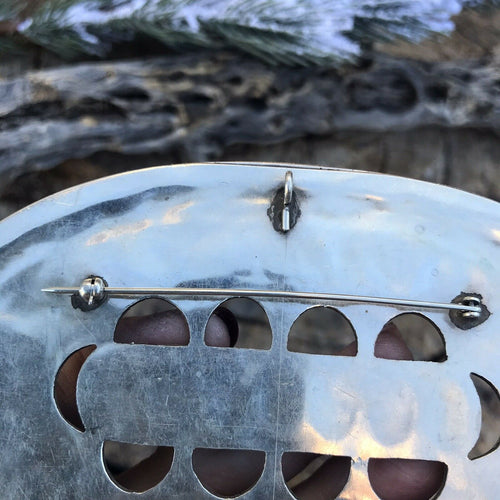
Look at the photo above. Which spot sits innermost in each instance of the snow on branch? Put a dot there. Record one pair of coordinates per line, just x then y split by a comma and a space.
293, 32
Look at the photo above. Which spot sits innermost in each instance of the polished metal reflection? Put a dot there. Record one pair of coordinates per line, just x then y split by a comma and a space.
206, 227
93, 288
287, 200
474, 302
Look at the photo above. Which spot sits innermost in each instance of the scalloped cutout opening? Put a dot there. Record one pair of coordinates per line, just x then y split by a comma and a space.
406, 479
411, 337
308, 475
152, 321
323, 330
246, 322
65, 386
135, 467
228, 473
489, 436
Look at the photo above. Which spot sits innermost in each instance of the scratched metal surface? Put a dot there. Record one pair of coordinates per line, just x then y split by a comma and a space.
206, 226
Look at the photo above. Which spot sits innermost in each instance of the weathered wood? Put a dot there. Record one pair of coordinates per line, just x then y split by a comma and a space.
199, 105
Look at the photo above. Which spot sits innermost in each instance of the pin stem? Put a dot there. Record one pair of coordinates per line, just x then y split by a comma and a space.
123, 292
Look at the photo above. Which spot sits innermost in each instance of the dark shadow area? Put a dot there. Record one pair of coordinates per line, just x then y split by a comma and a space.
228, 473
406, 479
65, 386
134, 467
246, 321
323, 330
310, 476
152, 321
489, 436
422, 339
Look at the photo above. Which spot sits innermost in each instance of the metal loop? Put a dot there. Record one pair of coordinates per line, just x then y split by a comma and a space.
287, 199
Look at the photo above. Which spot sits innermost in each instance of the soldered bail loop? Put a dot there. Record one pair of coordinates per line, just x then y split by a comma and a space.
284, 210
287, 199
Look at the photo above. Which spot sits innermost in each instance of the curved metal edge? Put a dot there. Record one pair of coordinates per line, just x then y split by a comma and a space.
18, 223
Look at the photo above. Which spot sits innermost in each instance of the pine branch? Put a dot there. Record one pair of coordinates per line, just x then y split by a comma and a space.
10, 9
292, 32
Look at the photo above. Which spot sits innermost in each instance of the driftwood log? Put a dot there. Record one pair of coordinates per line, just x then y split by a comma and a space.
198, 105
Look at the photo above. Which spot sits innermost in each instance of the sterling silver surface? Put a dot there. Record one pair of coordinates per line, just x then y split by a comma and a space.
206, 226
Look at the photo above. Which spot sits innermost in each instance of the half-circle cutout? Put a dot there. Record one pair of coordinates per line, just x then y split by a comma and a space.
65, 386
406, 479
489, 436
411, 337
152, 321
228, 473
323, 330
309, 475
246, 322
134, 467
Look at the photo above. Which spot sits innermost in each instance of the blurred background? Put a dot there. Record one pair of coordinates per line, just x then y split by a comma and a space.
92, 88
